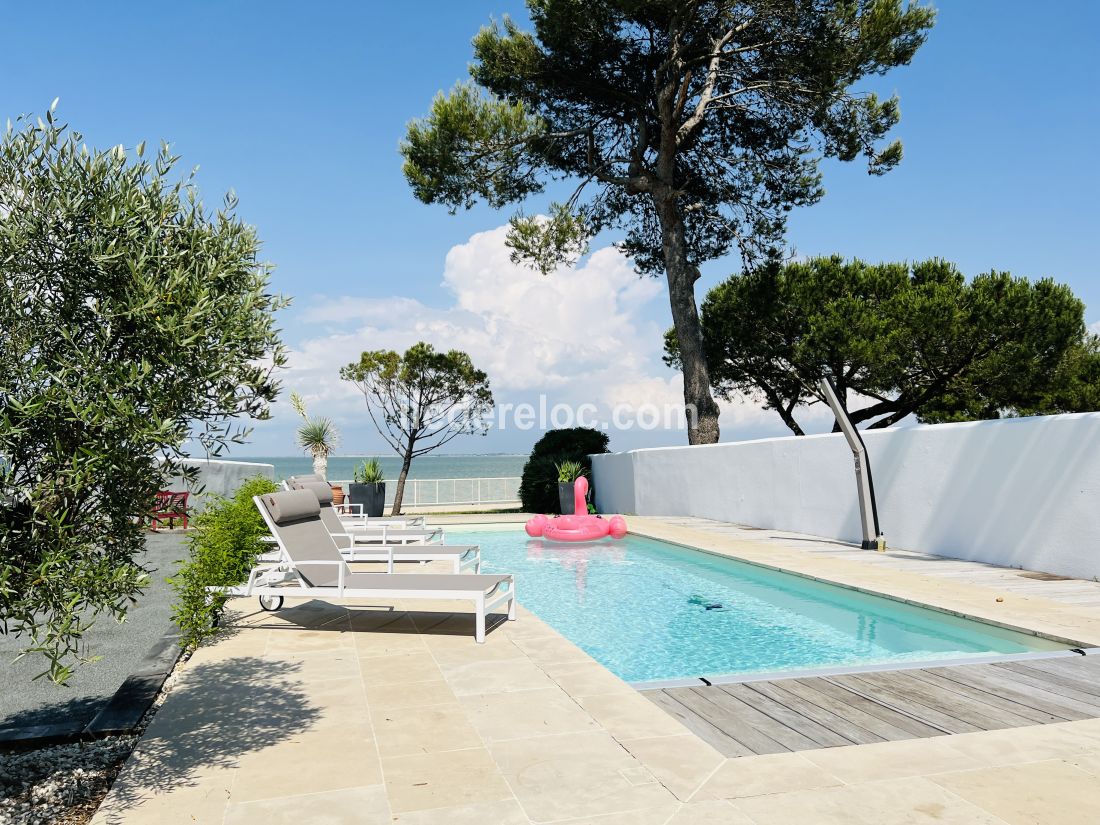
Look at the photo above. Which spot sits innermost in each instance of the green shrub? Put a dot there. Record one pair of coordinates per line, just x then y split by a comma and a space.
538, 487
369, 472
221, 551
569, 471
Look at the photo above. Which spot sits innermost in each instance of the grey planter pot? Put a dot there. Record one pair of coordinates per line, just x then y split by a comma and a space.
565, 497
371, 496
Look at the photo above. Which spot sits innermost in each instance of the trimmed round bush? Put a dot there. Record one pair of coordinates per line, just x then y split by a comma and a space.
538, 487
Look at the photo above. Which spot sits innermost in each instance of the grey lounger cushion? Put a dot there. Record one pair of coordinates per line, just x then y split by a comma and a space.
291, 506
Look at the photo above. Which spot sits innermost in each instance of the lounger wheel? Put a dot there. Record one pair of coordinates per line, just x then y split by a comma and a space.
271, 602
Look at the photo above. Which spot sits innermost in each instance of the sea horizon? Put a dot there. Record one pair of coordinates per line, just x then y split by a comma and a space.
443, 465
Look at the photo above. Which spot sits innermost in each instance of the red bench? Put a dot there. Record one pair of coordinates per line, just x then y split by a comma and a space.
169, 506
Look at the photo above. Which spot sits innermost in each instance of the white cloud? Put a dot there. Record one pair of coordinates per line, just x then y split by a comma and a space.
590, 334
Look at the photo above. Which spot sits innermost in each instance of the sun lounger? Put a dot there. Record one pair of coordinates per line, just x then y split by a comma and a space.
367, 532
313, 568
353, 513
353, 548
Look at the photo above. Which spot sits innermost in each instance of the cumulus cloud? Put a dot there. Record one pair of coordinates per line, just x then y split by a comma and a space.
565, 331
590, 334
580, 335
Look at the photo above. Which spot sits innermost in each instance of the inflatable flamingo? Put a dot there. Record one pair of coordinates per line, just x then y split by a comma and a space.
580, 526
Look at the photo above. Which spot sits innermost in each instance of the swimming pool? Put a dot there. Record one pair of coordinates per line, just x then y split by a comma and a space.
649, 610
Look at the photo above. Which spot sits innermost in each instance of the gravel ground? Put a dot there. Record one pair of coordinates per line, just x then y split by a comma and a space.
59, 784
65, 784
25, 701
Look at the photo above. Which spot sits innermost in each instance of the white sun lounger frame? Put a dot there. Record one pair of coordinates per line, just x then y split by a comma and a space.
264, 580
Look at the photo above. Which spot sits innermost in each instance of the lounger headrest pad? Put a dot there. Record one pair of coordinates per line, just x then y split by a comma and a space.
296, 480
291, 506
319, 489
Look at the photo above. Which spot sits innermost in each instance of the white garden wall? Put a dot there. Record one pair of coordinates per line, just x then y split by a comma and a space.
1021, 492
221, 477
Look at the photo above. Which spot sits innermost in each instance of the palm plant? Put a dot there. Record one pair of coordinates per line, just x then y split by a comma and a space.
317, 436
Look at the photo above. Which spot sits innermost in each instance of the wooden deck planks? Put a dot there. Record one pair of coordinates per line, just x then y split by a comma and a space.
748, 725
846, 705
846, 730
912, 728
702, 725
786, 717
996, 681
894, 696
1033, 715
806, 713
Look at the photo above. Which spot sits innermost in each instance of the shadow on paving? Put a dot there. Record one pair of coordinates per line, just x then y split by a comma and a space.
217, 713
321, 616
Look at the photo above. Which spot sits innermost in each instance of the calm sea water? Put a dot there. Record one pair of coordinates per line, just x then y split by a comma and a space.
428, 466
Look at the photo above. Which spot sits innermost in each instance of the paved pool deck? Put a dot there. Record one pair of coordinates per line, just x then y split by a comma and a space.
389, 713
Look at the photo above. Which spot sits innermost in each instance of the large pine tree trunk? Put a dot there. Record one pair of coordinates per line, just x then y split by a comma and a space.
702, 411
400, 493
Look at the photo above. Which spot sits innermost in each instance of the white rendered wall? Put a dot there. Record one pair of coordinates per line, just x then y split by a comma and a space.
221, 477
1021, 492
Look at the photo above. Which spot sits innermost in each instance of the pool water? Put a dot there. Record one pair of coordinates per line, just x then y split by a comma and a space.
649, 610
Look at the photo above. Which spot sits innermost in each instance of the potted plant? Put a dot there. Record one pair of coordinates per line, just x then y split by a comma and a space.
568, 472
369, 488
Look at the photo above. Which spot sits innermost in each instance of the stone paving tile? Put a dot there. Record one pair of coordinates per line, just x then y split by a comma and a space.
1054, 791
574, 775
761, 775
713, 812
500, 676
317, 665
499, 717
414, 694
504, 812
681, 763
583, 679
400, 669
443, 780
657, 814
423, 729
630, 716
453, 657
310, 761
911, 801
1031, 744
352, 806
172, 806
551, 649
891, 760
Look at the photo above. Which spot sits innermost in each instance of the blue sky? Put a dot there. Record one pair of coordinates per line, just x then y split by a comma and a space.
300, 108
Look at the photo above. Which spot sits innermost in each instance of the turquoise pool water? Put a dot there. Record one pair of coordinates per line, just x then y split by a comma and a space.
649, 610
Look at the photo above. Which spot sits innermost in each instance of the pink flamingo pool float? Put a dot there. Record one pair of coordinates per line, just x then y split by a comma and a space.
578, 527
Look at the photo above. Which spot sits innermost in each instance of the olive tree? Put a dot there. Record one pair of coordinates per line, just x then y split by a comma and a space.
421, 400
133, 322
693, 125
